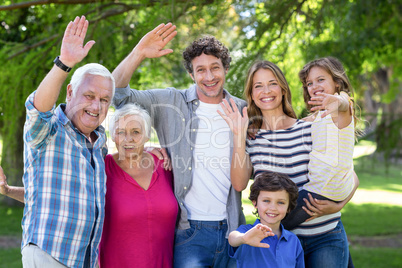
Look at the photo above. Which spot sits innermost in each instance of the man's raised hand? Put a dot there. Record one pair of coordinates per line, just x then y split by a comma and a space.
72, 47
152, 44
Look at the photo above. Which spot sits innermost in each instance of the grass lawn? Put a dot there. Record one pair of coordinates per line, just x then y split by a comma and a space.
10, 225
10, 258
376, 257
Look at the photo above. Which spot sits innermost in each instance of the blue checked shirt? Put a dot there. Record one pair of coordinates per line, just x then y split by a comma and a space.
65, 186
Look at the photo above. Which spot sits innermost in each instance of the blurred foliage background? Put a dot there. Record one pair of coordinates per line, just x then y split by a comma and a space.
363, 34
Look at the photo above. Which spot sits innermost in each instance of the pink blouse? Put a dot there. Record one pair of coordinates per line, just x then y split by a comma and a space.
139, 224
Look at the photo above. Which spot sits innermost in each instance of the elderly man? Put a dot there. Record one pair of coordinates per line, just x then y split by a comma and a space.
64, 174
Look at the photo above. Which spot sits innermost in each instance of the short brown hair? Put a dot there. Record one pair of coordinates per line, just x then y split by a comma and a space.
273, 182
208, 45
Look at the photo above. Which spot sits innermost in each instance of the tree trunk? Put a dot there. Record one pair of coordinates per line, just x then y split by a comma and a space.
389, 131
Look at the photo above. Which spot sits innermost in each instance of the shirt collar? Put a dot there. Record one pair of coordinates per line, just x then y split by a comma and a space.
64, 119
191, 94
285, 233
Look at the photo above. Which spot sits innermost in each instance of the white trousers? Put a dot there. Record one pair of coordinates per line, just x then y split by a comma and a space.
34, 257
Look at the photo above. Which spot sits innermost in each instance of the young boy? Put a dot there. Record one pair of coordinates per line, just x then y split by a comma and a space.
266, 243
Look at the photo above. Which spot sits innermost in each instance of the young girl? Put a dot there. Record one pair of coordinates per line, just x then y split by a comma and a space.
266, 243
331, 177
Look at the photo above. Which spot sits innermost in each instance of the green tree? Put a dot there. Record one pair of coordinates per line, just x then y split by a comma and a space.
363, 34
30, 36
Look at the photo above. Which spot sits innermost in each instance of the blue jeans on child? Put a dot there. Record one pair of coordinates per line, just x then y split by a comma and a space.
329, 250
202, 245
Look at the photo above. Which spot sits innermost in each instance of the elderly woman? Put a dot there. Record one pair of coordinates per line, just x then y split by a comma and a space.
141, 209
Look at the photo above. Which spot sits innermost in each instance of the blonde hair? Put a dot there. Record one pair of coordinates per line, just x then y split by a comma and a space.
254, 113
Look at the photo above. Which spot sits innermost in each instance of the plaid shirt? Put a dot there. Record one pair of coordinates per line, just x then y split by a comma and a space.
64, 193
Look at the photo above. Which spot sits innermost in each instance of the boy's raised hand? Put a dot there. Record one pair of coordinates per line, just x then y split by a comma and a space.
72, 49
152, 44
254, 236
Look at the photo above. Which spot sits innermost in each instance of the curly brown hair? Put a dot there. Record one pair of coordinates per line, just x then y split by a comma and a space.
208, 45
273, 182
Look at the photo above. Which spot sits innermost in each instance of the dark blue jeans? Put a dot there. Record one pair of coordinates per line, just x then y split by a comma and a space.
329, 250
202, 245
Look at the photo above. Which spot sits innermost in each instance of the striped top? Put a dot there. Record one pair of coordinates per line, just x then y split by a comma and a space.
64, 191
287, 151
331, 160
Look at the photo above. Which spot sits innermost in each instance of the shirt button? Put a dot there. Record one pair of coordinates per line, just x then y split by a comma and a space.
189, 168
184, 119
196, 103
185, 187
191, 148
181, 203
193, 129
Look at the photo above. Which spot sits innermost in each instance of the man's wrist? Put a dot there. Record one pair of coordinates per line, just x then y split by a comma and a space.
137, 54
61, 65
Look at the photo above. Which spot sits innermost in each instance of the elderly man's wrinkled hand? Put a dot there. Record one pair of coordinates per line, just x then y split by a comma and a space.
73, 49
161, 154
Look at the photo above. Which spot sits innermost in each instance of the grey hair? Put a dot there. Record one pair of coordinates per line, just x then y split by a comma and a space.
130, 109
93, 69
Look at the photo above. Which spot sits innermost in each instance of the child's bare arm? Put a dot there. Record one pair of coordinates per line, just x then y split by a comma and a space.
252, 237
339, 106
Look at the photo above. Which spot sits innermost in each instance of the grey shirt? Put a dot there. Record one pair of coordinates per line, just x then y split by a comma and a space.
174, 118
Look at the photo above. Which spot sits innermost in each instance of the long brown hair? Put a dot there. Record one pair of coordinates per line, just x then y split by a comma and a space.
254, 113
335, 68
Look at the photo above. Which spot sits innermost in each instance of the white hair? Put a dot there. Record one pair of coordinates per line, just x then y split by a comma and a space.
130, 109
93, 69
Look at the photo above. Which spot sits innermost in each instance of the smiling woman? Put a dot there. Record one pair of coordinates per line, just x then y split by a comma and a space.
137, 186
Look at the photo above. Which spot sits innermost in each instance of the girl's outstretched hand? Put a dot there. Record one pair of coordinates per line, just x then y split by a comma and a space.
332, 104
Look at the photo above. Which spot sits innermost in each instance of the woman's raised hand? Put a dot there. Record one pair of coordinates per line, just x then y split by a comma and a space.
238, 124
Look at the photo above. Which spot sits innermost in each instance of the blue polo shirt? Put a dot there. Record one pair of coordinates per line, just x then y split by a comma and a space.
283, 252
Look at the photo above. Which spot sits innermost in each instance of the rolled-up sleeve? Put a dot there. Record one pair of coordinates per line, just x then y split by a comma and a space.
38, 125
